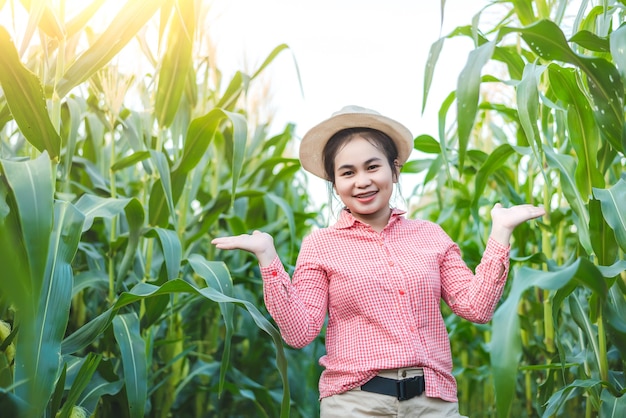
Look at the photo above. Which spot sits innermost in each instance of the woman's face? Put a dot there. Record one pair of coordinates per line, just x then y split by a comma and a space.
364, 181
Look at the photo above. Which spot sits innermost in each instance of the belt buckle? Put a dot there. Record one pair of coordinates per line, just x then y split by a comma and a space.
410, 388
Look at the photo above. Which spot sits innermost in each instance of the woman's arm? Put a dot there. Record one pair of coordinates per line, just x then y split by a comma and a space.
475, 296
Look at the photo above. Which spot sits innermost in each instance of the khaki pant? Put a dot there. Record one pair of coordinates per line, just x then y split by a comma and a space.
356, 403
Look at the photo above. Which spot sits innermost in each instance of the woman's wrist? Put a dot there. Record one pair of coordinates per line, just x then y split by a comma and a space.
266, 257
501, 234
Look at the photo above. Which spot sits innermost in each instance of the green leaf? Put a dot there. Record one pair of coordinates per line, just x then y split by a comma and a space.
547, 40
176, 63
122, 29
31, 183
582, 129
566, 165
427, 144
506, 347
496, 160
133, 351
602, 236
199, 135
172, 251
87, 369
527, 106
467, 92
613, 209
612, 406
98, 387
160, 161
429, 71
92, 330
272, 55
558, 399
590, 41
237, 85
93, 206
216, 276
38, 358
581, 318
617, 41
25, 98
13, 406
130, 160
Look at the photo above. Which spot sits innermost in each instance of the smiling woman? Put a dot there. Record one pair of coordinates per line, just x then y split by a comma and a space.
377, 278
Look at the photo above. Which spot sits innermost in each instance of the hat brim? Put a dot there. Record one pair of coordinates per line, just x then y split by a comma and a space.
314, 141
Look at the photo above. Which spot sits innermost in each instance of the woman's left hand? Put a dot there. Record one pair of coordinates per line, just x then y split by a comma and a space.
504, 220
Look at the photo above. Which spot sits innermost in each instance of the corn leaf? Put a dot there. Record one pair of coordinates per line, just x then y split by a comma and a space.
467, 93
506, 347
25, 99
38, 360
123, 28
80, 383
93, 329
547, 40
527, 95
216, 276
172, 251
612, 201
583, 131
133, 350
31, 183
176, 64
566, 166
612, 406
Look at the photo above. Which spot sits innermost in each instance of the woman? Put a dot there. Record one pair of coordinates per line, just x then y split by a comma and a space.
379, 277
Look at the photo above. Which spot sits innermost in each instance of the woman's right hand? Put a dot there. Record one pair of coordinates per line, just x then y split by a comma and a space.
261, 244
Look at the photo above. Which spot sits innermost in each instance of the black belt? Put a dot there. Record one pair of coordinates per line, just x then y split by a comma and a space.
402, 389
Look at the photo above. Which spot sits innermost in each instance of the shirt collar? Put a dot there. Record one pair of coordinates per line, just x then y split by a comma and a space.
347, 220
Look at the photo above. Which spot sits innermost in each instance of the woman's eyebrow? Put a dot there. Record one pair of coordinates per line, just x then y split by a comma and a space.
367, 162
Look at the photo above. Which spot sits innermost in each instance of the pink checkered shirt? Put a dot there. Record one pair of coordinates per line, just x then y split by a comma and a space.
382, 293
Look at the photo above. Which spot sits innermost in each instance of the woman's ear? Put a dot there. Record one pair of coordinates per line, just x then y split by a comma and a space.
396, 170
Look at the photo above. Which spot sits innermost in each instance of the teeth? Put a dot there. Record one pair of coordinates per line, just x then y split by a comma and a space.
366, 194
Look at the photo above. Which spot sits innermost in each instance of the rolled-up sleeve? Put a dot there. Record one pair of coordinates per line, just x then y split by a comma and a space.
475, 296
298, 305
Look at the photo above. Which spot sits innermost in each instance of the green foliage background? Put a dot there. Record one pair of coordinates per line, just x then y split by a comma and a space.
112, 296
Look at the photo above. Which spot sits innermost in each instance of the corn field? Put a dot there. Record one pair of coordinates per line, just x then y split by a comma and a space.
113, 182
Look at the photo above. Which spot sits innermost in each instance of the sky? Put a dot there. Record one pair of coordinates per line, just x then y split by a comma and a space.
366, 52
369, 53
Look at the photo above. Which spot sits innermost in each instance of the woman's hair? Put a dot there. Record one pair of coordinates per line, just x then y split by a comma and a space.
375, 137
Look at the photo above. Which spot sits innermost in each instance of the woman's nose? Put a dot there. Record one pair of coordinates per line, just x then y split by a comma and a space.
362, 179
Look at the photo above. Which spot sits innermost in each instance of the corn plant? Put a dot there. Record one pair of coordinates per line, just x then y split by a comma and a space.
537, 116
112, 183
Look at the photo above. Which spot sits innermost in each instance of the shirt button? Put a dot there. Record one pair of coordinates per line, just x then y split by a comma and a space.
274, 273
402, 292
412, 329
391, 263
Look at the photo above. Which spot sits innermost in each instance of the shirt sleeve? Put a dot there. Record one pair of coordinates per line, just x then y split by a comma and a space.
475, 296
297, 306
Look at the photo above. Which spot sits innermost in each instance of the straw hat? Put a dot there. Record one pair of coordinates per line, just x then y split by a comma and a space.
314, 141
